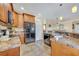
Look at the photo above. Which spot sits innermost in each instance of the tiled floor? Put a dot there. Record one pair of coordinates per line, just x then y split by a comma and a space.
32, 49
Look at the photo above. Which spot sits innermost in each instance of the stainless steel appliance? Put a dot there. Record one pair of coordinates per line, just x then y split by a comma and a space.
29, 29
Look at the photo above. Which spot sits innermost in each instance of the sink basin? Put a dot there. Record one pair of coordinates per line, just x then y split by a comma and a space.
58, 37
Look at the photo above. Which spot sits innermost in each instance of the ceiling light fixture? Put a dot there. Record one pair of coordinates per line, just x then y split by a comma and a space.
74, 9
22, 8
60, 18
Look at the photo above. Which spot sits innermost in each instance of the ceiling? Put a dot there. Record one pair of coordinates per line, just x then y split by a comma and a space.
50, 11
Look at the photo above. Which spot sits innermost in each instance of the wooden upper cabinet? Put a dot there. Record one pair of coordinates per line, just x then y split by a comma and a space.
20, 20
4, 8
3, 13
21, 25
10, 7
29, 18
15, 19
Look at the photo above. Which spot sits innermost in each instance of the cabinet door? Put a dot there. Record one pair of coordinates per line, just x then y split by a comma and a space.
3, 13
11, 52
15, 19
29, 18
14, 52
3, 53
20, 20
20, 24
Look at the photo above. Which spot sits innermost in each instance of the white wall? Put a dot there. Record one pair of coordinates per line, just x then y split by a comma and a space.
39, 30
47, 26
54, 25
68, 24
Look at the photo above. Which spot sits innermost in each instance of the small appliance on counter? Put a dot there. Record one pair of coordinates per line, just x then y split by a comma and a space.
4, 36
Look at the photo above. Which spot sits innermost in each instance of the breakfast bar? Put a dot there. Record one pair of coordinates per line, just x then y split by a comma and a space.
64, 46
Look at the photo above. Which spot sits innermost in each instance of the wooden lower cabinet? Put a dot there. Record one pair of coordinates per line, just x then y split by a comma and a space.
59, 49
14, 52
4, 53
11, 52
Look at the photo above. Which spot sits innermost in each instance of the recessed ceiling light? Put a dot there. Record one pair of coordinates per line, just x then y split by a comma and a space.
39, 14
22, 8
74, 9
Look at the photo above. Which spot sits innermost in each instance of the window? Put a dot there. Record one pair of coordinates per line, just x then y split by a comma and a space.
61, 26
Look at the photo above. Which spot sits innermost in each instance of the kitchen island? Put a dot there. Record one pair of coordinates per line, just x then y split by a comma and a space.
10, 47
63, 46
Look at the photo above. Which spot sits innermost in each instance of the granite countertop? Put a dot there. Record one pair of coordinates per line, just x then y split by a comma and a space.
73, 32
12, 43
71, 42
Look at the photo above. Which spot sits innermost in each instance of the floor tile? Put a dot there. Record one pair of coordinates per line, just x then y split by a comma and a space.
32, 49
